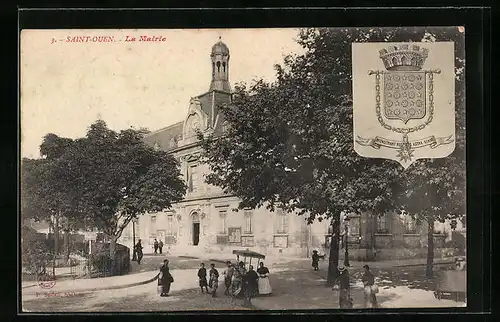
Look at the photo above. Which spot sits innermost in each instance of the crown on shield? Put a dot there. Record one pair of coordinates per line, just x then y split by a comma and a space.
404, 57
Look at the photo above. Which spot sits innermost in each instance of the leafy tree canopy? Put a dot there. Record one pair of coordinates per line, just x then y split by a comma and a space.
103, 179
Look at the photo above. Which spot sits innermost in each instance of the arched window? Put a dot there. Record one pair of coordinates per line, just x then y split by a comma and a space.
403, 60
394, 61
224, 67
213, 69
218, 66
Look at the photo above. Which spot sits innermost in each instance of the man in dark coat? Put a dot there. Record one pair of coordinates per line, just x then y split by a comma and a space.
202, 276
368, 280
345, 301
160, 246
315, 260
165, 278
250, 280
138, 251
155, 246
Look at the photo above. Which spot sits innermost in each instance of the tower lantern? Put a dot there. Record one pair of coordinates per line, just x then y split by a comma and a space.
220, 67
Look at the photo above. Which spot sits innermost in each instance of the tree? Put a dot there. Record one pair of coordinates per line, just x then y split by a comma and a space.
434, 189
46, 190
289, 143
119, 177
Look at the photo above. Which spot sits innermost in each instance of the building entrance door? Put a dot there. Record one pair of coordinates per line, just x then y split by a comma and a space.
196, 233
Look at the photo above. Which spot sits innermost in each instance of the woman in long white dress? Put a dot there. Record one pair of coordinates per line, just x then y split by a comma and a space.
264, 285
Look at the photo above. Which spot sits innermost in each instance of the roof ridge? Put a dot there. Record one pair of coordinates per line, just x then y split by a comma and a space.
164, 128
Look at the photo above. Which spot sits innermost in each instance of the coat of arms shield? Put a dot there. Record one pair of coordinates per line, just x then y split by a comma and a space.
403, 112
404, 95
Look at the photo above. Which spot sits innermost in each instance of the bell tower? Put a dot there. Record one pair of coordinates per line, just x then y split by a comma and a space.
220, 67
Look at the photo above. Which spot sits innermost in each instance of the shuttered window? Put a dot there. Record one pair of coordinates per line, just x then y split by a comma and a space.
170, 221
223, 221
281, 222
248, 222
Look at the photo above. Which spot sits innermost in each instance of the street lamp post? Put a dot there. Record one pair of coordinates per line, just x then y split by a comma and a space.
346, 232
134, 254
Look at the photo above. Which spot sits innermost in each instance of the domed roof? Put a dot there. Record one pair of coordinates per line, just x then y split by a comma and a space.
220, 48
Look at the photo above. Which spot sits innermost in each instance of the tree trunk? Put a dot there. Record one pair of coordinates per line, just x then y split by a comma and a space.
333, 259
66, 246
56, 235
430, 248
66, 240
112, 251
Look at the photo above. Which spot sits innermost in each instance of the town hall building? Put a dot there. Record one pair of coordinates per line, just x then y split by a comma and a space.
206, 220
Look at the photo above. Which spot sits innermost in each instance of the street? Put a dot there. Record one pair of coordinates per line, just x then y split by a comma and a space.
295, 286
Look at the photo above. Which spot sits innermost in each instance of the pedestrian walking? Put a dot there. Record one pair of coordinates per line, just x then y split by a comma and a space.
202, 276
264, 284
370, 289
165, 279
251, 286
160, 246
228, 276
315, 260
155, 246
214, 280
345, 301
138, 251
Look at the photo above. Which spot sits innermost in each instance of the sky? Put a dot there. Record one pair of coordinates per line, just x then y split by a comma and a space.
66, 86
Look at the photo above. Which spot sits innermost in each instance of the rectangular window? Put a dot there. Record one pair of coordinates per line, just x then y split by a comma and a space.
281, 225
194, 179
170, 221
382, 225
235, 235
248, 222
153, 222
354, 226
410, 225
223, 221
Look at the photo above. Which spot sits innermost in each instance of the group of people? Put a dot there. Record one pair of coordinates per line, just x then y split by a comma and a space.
343, 280
370, 289
238, 281
158, 246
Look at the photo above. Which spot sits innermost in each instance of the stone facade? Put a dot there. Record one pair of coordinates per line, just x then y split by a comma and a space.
206, 220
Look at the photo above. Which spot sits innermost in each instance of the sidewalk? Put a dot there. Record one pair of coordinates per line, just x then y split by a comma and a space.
91, 284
